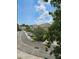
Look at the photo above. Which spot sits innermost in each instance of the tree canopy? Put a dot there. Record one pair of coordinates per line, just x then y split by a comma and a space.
54, 33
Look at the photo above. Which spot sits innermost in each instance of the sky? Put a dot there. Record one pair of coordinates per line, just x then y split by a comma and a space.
34, 12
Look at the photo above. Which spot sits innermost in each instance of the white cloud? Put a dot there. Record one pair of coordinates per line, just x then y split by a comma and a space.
44, 17
48, 2
50, 20
40, 8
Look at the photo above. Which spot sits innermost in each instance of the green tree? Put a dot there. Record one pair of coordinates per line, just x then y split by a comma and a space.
54, 33
27, 28
23, 24
39, 34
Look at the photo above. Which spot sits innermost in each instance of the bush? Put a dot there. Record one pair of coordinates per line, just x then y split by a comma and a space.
39, 34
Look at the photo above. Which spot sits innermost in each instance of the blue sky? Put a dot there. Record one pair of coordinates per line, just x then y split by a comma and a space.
32, 11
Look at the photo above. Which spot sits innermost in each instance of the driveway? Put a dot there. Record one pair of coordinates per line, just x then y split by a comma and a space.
27, 46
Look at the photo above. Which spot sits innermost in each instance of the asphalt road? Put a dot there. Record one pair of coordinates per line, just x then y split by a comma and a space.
34, 48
